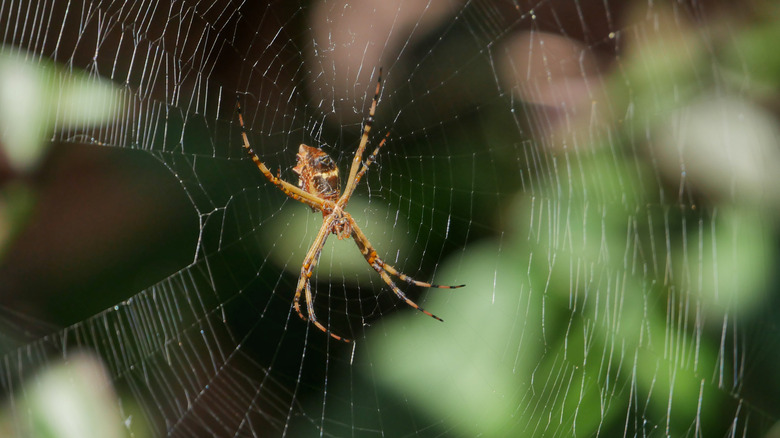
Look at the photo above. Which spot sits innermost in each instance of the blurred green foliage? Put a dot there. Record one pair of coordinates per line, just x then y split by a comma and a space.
600, 295
34, 96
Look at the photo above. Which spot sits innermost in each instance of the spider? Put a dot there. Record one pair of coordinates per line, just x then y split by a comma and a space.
318, 187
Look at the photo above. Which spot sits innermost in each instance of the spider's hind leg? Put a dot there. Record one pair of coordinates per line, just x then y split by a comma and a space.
313, 317
411, 280
399, 293
304, 280
369, 253
304, 285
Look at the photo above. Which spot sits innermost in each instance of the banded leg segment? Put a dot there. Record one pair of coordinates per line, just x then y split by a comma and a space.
288, 189
390, 269
304, 281
369, 253
358, 160
371, 158
371, 256
399, 293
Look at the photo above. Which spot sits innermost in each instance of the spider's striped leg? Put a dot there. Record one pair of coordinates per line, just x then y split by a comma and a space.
371, 158
358, 159
369, 253
304, 281
411, 280
288, 189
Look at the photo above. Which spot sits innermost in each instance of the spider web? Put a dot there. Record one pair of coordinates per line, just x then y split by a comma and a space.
598, 174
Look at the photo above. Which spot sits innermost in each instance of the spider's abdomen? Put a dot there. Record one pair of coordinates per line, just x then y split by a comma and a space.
317, 173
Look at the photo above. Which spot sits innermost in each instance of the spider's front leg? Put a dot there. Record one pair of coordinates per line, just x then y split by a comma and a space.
357, 160
363, 169
304, 281
290, 190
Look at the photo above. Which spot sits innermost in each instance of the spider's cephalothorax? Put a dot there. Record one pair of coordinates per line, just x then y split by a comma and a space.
318, 187
319, 175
